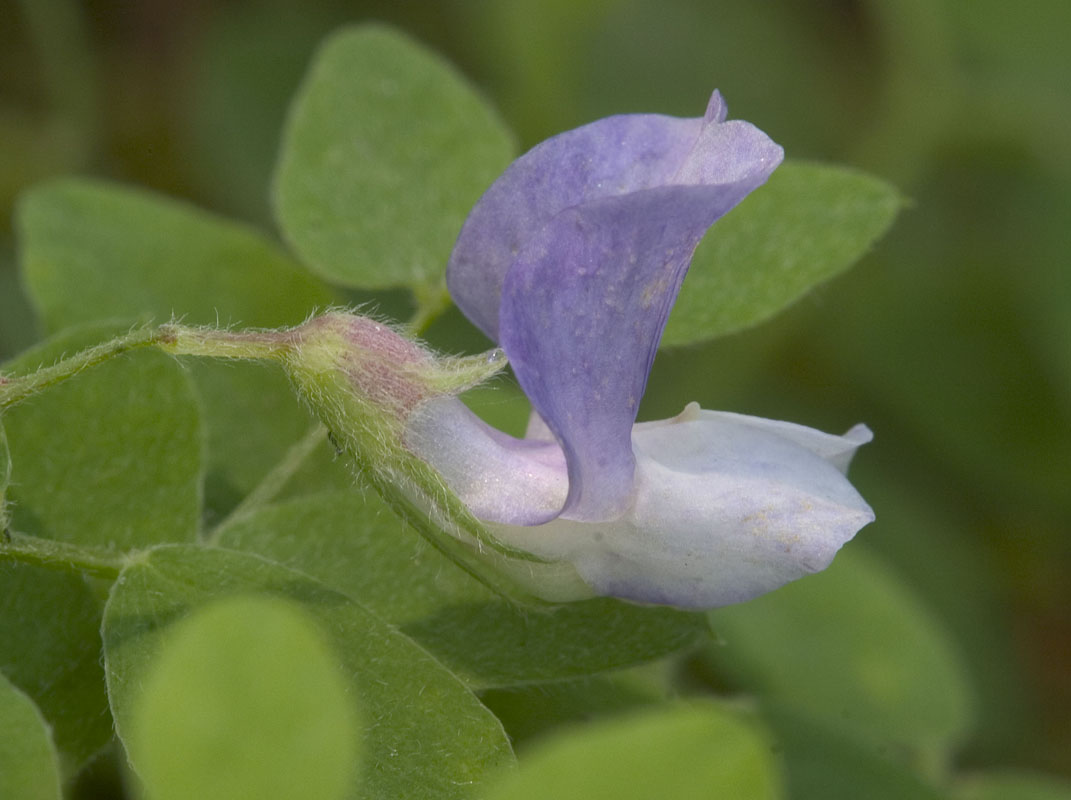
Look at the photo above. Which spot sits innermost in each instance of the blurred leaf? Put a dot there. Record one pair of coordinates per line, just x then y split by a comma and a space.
1013, 785
245, 66
727, 372
94, 251
494, 643
932, 540
28, 762
913, 92
50, 649
531, 711
67, 65
1028, 46
112, 457
5, 477
244, 700
18, 328
323, 470
354, 544
253, 418
425, 734
32, 150
942, 332
1045, 283
501, 404
849, 644
57, 133
807, 224
668, 57
699, 752
534, 53
825, 762
386, 150
106, 777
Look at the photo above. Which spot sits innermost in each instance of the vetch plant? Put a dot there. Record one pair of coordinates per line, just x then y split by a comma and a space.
579, 543
572, 260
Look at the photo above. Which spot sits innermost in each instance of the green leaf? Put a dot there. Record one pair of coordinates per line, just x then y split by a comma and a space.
245, 700
1009, 784
386, 150
253, 418
354, 544
824, 761
93, 251
807, 224
425, 734
320, 471
850, 644
698, 752
495, 643
534, 710
29, 769
111, 458
50, 648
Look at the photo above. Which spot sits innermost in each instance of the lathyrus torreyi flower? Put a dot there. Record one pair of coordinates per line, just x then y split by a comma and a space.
572, 261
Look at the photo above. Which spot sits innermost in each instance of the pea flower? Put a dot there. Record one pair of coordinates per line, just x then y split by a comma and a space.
571, 261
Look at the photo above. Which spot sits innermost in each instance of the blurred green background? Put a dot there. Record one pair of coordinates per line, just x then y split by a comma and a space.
952, 340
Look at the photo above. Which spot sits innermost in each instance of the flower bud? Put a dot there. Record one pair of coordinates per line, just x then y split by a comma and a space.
363, 380
386, 400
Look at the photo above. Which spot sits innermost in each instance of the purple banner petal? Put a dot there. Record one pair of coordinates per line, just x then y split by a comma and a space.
610, 157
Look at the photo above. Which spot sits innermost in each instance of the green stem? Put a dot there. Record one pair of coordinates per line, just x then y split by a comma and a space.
272, 483
431, 301
60, 556
180, 340
16, 388
171, 338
